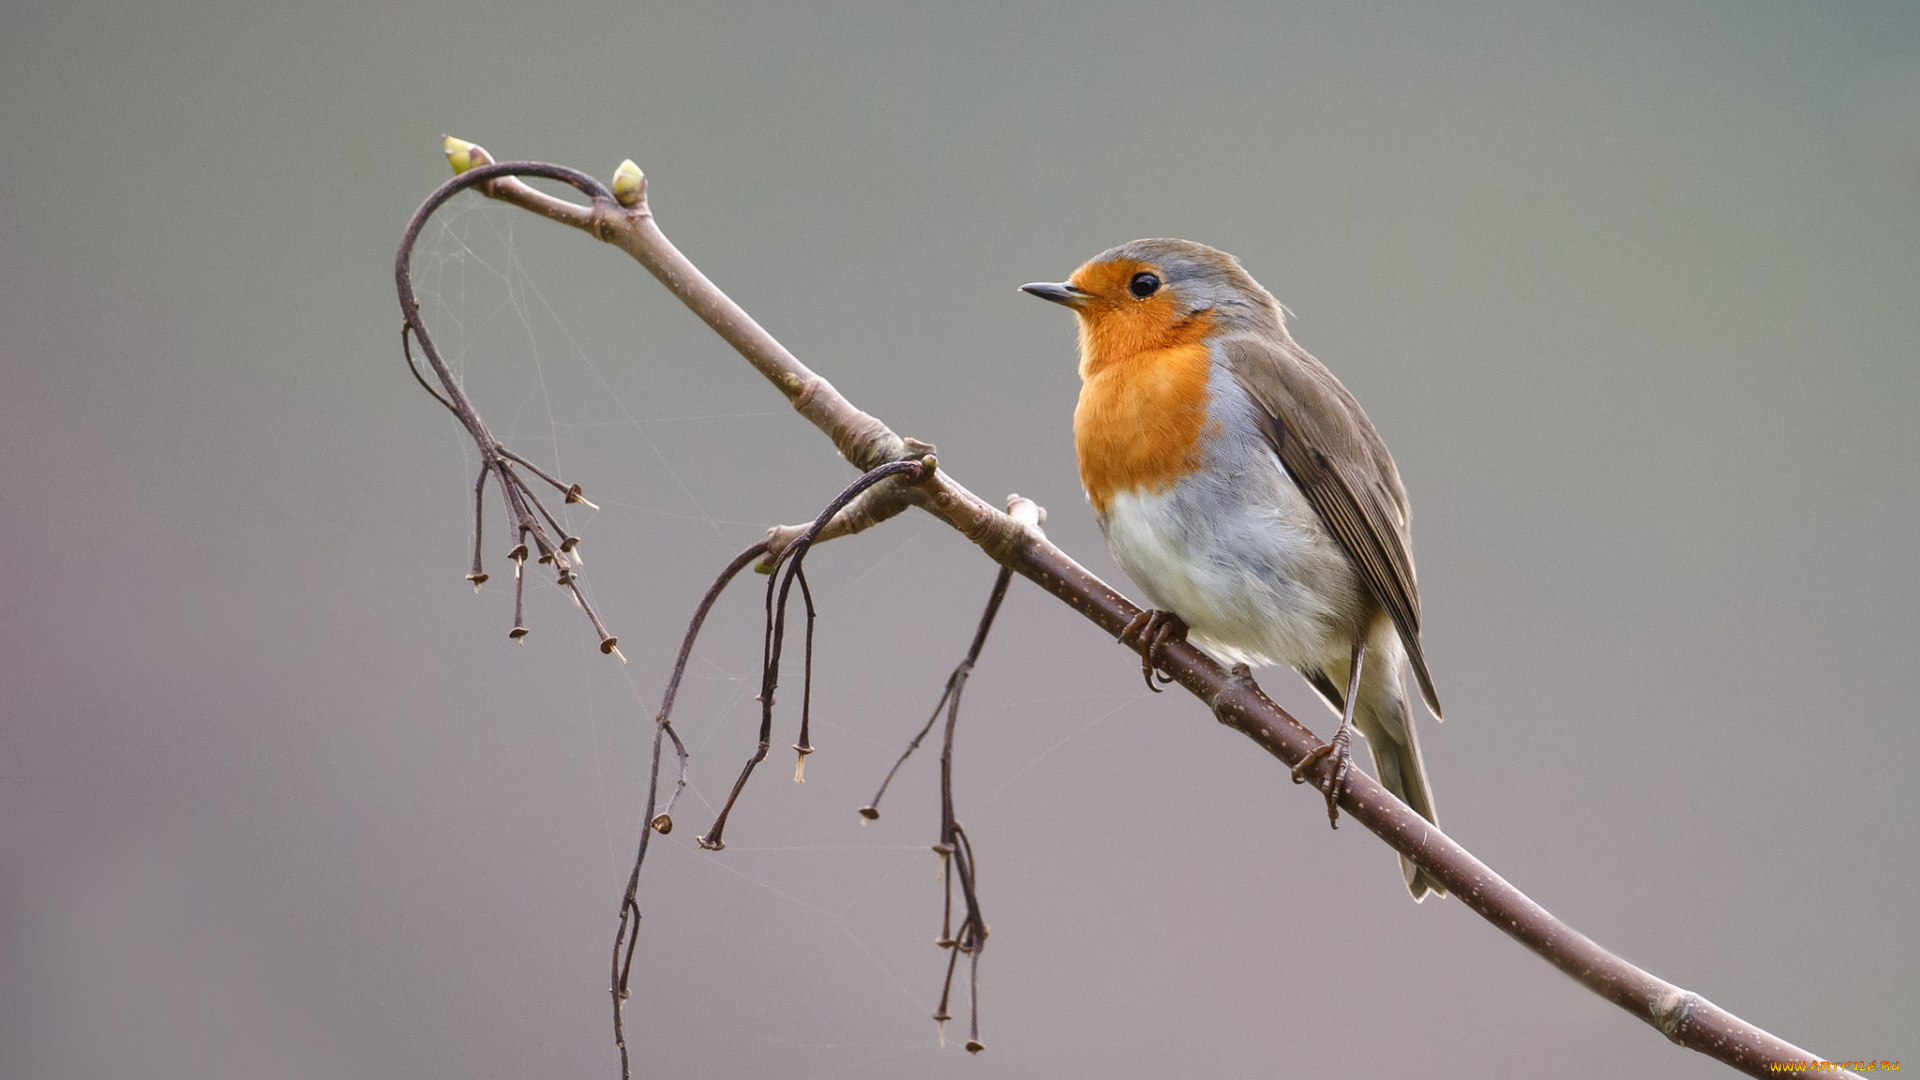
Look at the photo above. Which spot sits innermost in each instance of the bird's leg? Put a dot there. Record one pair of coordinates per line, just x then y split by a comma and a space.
1339, 745
1152, 629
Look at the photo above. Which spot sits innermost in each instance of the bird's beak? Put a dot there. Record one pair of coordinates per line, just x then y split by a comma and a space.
1058, 292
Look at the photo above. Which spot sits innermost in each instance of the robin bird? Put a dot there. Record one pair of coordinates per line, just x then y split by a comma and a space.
1244, 491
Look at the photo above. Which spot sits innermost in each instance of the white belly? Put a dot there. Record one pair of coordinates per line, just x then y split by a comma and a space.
1248, 566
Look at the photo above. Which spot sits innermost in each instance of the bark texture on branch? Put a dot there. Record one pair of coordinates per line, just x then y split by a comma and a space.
625, 220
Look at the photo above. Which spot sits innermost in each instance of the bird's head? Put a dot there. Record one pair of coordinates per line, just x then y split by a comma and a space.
1155, 294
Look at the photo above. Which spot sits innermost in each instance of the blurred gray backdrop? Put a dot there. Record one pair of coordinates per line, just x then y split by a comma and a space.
1630, 289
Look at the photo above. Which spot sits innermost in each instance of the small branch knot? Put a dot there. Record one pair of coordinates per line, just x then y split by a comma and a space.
1671, 1011
863, 440
608, 217
1026, 511
1240, 677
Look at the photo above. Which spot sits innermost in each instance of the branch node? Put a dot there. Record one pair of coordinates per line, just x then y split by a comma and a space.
1672, 1010
1026, 511
1238, 678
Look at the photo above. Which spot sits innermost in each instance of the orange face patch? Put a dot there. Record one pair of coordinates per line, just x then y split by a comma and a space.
1114, 326
1143, 391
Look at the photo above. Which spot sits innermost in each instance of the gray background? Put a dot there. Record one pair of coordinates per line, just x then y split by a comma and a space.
1630, 290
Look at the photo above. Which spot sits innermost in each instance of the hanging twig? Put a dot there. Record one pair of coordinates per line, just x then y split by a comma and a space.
628, 934
625, 220
521, 503
775, 636
954, 849
955, 681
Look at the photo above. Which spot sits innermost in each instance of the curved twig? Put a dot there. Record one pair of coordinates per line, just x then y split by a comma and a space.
628, 934
775, 637
514, 492
406, 350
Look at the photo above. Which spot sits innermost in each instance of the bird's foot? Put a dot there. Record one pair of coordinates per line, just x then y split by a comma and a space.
1151, 630
1336, 783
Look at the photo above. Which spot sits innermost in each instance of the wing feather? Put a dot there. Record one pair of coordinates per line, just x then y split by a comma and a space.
1338, 461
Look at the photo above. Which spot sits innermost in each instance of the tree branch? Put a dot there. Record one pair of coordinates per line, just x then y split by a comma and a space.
624, 219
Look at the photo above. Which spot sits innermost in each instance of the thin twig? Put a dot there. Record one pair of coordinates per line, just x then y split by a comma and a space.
955, 851
493, 456
552, 522
628, 933
805, 745
870, 508
479, 574
955, 679
776, 627
954, 848
406, 350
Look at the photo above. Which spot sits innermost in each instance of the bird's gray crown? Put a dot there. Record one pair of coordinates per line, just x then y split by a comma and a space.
1201, 277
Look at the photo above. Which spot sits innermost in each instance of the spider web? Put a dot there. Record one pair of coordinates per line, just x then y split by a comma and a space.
521, 330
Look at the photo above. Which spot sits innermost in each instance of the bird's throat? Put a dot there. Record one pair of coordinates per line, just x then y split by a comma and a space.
1141, 419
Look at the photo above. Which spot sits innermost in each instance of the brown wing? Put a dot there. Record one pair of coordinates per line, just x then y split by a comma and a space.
1334, 456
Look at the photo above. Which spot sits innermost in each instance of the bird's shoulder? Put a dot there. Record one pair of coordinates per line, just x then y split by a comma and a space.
1293, 388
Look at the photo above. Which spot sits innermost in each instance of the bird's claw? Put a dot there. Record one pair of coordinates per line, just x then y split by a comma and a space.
1152, 630
1336, 785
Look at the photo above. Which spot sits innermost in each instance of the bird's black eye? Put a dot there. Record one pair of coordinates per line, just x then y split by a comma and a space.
1143, 286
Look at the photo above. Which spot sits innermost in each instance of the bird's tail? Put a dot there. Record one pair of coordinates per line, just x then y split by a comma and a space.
1396, 760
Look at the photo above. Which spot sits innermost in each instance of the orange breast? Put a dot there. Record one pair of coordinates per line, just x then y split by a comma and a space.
1140, 419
